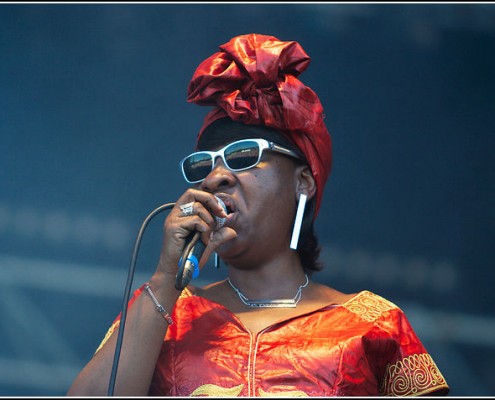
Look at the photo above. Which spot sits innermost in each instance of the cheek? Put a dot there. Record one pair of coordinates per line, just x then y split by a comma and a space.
273, 179
275, 187
282, 177
269, 184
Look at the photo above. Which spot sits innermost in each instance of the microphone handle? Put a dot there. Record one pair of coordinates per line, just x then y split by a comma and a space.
189, 262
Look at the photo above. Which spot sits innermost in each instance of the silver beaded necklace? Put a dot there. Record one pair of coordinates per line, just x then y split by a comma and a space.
280, 303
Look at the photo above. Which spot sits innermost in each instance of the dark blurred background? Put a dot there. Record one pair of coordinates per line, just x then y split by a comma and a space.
93, 123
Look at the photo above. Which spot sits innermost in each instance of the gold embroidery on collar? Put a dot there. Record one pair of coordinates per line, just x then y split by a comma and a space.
368, 306
211, 390
412, 376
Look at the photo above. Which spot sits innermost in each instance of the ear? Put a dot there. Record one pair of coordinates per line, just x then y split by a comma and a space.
305, 183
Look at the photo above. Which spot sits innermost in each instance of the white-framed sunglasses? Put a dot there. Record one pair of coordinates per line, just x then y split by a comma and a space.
237, 156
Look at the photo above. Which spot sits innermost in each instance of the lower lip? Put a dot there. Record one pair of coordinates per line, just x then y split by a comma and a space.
230, 219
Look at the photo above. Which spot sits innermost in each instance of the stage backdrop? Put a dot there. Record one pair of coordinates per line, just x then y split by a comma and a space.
93, 123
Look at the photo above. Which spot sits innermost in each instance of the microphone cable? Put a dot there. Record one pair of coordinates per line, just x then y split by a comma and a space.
127, 293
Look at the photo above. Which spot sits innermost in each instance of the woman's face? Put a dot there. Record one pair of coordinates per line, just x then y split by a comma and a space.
261, 202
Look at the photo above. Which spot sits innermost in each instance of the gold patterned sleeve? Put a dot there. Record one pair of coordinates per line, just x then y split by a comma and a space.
414, 375
410, 371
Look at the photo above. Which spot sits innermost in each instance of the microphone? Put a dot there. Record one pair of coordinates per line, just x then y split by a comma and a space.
189, 262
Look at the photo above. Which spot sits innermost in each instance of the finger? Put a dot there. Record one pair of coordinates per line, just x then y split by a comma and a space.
195, 223
196, 209
215, 240
208, 200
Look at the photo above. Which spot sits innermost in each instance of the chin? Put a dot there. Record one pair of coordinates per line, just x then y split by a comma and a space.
231, 251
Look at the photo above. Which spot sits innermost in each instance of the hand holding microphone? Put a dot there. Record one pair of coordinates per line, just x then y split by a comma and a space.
193, 251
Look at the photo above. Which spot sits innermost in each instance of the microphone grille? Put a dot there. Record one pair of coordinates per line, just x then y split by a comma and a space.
220, 221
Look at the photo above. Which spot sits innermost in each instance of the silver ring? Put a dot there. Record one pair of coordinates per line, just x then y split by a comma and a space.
187, 209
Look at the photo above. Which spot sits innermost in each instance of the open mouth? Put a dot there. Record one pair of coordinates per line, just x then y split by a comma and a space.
229, 204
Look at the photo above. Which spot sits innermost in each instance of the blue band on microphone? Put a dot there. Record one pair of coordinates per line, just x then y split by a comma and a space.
194, 261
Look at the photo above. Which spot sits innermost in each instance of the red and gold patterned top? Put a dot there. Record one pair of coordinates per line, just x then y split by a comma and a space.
364, 347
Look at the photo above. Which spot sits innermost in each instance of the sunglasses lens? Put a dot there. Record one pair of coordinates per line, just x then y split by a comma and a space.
242, 155
197, 166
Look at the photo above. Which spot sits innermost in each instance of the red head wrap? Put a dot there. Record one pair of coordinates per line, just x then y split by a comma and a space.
253, 80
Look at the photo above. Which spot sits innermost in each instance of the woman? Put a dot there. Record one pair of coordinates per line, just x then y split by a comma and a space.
267, 329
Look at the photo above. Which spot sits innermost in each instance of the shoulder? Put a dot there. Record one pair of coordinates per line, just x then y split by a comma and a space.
384, 322
327, 295
370, 306
191, 304
358, 302
211, 293
366, 309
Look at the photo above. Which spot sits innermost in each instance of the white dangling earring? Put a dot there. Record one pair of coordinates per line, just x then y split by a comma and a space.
217, 261
297, 223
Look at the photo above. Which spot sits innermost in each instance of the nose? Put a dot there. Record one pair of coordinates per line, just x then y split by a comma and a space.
218, 179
